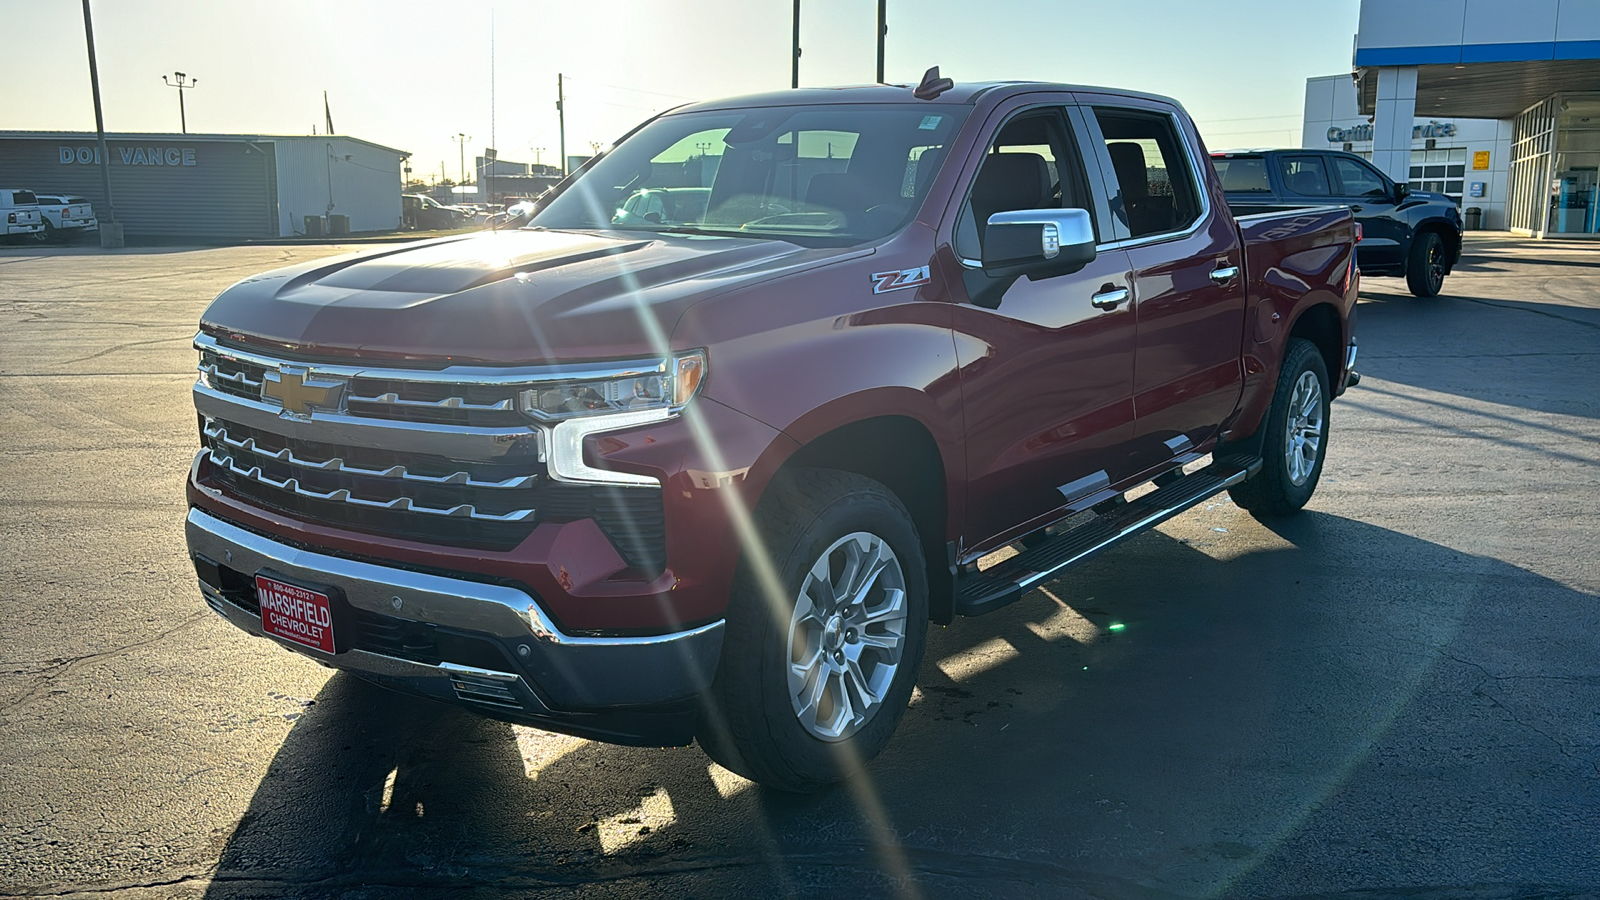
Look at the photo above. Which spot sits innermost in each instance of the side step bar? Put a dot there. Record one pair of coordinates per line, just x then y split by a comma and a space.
1006, 582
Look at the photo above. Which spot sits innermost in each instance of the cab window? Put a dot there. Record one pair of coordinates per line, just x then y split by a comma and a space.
1029, 166
1156, 191
1357, 180
1304, 175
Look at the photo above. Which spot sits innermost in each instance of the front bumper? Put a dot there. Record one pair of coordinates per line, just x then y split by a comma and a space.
487, 647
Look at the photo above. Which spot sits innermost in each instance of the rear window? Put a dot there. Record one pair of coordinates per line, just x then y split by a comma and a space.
76, 200
23, 198
1242, 174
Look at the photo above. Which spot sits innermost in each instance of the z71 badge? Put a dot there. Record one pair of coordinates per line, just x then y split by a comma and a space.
884, 282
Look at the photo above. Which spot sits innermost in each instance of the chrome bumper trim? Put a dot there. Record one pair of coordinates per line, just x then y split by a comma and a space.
574, 671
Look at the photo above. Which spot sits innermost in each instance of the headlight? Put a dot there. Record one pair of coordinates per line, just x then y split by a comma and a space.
583, 408
670, 386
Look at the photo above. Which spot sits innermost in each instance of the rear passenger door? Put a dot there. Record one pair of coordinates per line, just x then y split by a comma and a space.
1371, 197
1188, 276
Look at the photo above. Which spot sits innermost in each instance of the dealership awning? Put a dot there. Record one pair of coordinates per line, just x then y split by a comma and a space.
1483, 90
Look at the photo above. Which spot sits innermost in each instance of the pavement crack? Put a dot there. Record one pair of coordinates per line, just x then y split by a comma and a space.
125, 345
1518, 307
1477, 690
55, 668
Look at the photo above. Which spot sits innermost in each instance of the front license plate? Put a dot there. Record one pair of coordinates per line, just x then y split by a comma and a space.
295, 613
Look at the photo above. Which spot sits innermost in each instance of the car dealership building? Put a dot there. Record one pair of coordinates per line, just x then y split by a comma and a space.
1494, 102
214, 187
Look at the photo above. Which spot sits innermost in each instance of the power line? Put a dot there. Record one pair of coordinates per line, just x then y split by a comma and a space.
1251, 118
631, 90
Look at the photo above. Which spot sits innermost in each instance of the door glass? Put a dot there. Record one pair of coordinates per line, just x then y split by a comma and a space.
1304, 175
1023, 170
1358, 180
1155, 181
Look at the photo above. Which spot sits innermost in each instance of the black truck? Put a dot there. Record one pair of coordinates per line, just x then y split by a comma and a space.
1414, 234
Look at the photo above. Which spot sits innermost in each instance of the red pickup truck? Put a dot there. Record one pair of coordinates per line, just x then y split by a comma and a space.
705, 465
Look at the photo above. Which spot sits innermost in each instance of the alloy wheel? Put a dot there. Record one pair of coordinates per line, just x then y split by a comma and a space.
1303, 434
846, 636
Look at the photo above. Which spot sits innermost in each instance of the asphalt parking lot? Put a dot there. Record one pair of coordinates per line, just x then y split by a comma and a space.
1396, 693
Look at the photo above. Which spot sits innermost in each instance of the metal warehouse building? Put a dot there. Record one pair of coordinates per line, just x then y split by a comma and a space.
213, 187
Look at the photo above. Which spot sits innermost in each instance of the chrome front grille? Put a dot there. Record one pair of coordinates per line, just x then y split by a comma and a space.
434, 455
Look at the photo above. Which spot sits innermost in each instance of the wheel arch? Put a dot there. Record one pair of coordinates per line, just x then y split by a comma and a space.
900, 453
1321, 325
1447, 232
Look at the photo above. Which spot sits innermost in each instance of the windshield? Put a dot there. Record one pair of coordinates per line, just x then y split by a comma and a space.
830, 174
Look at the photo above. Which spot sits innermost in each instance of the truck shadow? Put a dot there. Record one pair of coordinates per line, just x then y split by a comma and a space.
1520, 354
1169, 715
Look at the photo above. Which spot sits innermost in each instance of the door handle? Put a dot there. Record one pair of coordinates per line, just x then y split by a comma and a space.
1355, 208
1110, 299
1224, 274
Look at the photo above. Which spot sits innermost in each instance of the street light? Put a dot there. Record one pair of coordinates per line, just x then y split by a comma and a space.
183, 118
461, 140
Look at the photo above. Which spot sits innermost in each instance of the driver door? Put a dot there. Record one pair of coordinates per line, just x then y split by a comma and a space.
1046, 366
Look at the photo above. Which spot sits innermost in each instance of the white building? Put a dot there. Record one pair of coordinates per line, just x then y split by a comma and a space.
1468, 159
1535, 63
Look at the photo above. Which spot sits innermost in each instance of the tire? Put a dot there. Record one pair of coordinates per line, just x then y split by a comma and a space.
1426, 264
767, 718
1296, 442
48, 235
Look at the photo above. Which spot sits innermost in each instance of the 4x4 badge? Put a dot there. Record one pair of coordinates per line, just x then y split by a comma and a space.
884, 282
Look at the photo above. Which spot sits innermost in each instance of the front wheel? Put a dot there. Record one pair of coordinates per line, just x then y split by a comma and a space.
1296, 442
822, 645
1425, 268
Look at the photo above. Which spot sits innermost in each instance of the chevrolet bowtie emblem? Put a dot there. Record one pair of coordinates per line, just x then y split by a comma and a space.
298, 393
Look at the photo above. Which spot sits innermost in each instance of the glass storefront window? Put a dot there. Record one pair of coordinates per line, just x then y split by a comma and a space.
1573, 180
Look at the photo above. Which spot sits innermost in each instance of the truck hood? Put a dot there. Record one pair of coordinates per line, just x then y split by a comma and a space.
506, 298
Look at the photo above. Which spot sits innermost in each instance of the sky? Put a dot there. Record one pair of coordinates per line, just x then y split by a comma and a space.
413, 75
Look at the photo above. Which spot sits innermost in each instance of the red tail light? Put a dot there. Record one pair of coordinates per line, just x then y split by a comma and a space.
1358, 232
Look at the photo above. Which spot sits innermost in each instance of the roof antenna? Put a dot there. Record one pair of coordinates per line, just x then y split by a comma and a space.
932, 85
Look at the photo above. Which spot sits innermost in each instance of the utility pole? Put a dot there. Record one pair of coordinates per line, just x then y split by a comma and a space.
183, 118
492, 152
561, 119
883, 30
110, 228
461, 142
794, 62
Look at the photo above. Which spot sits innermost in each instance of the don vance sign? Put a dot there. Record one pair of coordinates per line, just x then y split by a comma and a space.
130, 156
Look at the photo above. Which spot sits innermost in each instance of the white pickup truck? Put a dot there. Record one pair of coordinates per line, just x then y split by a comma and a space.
66, 217
21, 211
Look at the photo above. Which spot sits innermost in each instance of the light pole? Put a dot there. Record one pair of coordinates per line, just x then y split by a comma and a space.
538, 156
183, 118
794, 59
883, 31
461, 142
110, 228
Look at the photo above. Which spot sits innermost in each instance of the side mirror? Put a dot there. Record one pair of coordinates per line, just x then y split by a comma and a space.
1401, 191
1039, 243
